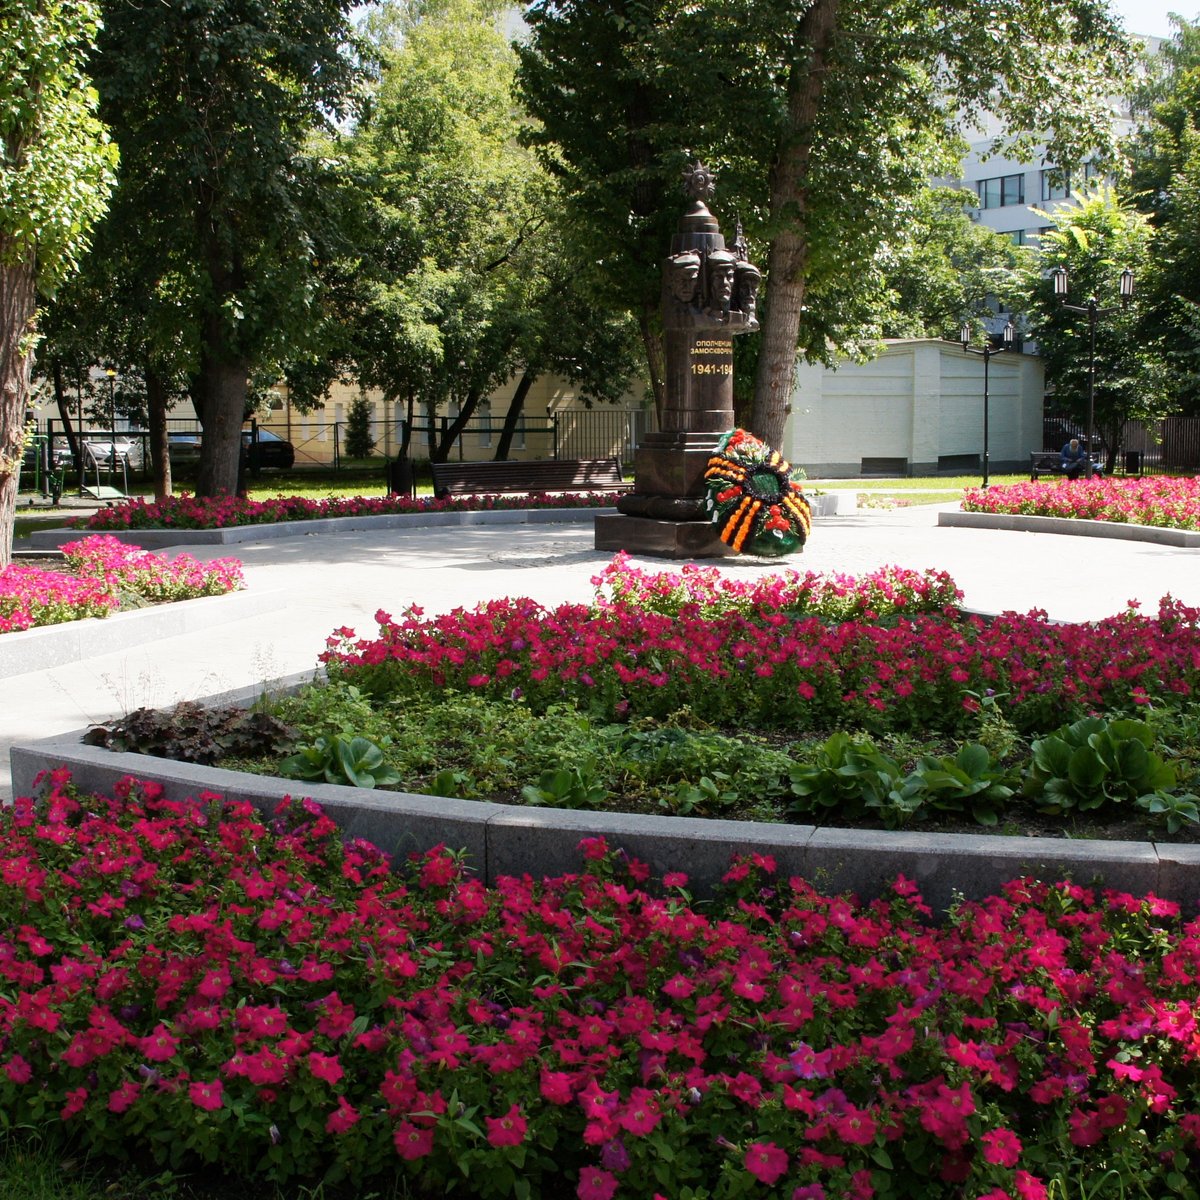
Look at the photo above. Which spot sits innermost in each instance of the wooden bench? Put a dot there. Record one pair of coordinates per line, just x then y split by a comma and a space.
539, 475
1049, 462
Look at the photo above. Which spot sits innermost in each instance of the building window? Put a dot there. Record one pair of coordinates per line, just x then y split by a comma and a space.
1001, 191
1056, 184
485, 424
1017, 236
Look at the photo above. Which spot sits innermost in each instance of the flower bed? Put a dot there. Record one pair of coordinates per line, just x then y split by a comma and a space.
187, 983
811, 698
195, 512
770, 665
1157, 500
105, 572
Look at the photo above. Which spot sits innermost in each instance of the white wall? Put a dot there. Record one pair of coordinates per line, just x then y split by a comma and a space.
919, 401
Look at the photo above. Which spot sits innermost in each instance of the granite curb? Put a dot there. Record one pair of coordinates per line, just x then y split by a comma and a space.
824, 505
156, 539
1186, 539
48, 646
502, 840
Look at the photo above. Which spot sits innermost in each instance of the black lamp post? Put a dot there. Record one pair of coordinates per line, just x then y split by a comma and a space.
986, 351
1093, 312
112, 419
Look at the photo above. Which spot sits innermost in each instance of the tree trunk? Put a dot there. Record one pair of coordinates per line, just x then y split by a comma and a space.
18, 308
221, 385
656, 358
787, 262
157, 402
455, 428
513, 416
64, 414
410, 415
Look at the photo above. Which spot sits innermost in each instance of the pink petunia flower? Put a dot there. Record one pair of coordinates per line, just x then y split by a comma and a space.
508, 1130
1001, 1147
766, 1162
595, 1184
209, 1096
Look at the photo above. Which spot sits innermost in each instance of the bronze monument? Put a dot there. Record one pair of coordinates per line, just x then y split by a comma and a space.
709, 297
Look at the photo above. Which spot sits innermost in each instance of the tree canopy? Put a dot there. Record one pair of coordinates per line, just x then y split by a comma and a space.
1165, 185
1096, 237
822, 119
217, 223
55, 173
463, 276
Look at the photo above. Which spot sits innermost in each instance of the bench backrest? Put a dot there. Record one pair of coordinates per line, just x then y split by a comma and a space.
540, 474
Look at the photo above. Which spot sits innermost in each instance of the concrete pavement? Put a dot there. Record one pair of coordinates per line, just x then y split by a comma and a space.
321, 583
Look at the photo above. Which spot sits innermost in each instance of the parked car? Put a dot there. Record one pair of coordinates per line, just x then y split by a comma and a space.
106, 451
183, 449
269, 449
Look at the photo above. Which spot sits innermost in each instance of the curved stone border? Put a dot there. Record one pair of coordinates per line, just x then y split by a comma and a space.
1187, 539
825, 505
502, 840
73, 641
156, 539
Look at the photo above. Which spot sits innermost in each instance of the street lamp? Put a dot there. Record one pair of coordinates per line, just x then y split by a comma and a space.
1093, 312
986, 351
112, 420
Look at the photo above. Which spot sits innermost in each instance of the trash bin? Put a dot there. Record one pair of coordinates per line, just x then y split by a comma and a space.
1133, 462
400, 478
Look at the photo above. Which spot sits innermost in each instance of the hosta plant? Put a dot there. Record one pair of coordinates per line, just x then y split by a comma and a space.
1095, 762
352, 760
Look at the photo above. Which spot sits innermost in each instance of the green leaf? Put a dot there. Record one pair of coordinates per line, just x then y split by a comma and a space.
1086, 770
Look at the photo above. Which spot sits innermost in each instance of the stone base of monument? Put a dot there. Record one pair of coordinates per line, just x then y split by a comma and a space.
659, 539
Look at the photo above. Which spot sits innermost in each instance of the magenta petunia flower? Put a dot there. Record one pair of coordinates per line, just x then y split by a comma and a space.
508, 1130
209, 1096
766, 1162
412, 1142
1002, 1147
595, 1184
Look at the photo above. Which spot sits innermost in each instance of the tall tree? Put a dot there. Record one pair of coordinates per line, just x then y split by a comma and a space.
607, 129
55, 173
213, 105
943, 267
821, 116
454, 204
465, 266
1165, 183
1095, 238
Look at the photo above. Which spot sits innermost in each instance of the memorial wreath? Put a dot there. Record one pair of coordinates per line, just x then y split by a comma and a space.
755, 497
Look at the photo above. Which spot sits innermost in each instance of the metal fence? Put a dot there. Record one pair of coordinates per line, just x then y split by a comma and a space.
1164, 447
600, 432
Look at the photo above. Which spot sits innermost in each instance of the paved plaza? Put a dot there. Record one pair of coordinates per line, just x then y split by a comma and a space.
323, 582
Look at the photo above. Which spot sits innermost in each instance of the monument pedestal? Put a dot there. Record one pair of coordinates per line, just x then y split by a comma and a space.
709, 297
661, 539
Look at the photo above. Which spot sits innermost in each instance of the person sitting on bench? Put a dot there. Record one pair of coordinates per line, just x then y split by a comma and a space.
1074, 459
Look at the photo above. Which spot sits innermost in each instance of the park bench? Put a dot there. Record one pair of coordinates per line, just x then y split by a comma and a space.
539, 475
1044, 462
1049, 462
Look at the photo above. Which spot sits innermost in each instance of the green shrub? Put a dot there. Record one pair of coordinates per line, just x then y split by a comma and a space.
340, 760
1096, 762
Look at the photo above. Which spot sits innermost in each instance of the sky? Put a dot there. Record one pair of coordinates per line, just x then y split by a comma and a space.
1150, 16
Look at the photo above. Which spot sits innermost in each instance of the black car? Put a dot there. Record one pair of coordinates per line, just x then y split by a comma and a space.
267, 449
183, 449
